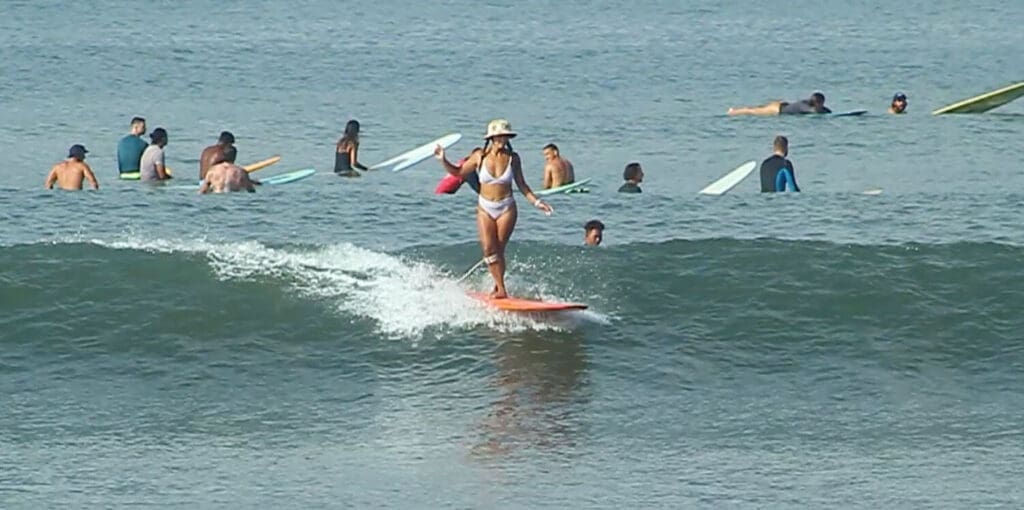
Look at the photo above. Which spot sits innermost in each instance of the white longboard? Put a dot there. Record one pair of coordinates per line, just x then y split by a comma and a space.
410, 158
730, 180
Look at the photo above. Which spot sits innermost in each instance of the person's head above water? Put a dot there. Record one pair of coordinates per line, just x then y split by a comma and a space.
593, 232
899, 103
817, 99
633, 173
550, 152
77, 151
352, 129
226, 138
138, 126
159, 137
781, 146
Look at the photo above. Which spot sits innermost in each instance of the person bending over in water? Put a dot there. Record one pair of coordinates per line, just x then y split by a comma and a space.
558, 171
215, 153
814, 104
70, 173
225, 176
497, 165
346, 152
899, 103
777, 172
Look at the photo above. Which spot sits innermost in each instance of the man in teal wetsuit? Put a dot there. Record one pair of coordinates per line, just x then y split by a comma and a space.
131, 147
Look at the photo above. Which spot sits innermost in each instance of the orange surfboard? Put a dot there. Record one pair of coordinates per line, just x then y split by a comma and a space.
260, 165
511, 304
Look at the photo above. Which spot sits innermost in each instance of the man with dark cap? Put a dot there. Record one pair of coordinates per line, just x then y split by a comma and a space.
899, 103
151, 167
215, 153
70, 173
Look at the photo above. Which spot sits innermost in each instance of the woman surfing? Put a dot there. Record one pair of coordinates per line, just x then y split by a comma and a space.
497, 165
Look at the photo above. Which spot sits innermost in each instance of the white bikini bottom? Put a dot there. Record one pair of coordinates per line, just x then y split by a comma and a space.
496, 209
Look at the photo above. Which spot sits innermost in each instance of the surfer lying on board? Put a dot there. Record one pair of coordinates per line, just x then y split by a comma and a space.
497, 166
225, 175
777, 171
346, 152
214, 153
558, 171
899, 103
813, 104
70, 173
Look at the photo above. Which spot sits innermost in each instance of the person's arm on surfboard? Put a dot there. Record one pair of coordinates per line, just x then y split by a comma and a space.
469, 166
517, 174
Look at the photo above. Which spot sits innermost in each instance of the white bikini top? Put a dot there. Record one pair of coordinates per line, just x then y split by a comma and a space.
487, 178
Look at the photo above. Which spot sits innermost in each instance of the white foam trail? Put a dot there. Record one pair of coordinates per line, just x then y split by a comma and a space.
406, 299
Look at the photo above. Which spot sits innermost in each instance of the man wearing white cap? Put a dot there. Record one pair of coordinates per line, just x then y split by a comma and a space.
497, 166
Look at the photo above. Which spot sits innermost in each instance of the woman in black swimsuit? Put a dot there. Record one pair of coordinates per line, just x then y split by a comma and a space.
346, 153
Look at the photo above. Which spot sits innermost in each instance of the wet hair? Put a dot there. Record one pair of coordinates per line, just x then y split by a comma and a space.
138, 120
551, 146
226, 137
631, 172
592, 224
818, 99
230, 153
781, 143
350, 136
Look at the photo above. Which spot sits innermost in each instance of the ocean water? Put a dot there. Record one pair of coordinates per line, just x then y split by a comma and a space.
310, 345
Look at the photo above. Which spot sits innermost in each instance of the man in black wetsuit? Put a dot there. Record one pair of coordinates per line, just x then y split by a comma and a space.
777, 172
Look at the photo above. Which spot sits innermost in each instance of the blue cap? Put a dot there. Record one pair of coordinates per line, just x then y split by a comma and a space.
77, 151
899, 97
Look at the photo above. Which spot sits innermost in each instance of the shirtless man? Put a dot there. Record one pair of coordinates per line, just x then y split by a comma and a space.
558, 171
214, 153
70, 173
224, 175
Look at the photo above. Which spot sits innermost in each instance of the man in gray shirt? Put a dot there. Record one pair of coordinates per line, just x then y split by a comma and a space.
151, 167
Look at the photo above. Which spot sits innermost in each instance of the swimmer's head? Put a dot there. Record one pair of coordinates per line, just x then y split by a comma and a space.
817, 99
159, 136
899, 102
633, 172
138, 126
593, 232
781, 145
550, 151
77, 151
226, 138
